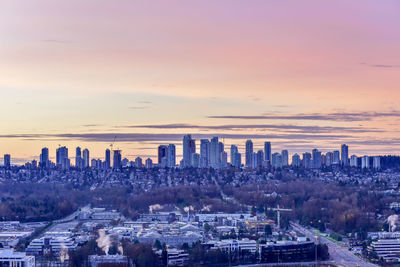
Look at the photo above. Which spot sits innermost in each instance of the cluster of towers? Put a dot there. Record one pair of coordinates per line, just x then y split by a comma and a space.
82, 159
211, 155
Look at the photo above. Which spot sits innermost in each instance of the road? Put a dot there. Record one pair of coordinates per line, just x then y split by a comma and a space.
72, 216
285, 264
339, 255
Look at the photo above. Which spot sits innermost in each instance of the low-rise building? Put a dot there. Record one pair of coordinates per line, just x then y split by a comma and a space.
108, 260
50, 246
8, 257
386, 249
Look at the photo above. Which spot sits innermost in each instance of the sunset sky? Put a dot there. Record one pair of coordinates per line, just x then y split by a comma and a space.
301, 74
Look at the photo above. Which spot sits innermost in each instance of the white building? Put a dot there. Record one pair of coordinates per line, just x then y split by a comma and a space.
50, 245
377, 163
353, 161
365, 162
8, 257
387, 249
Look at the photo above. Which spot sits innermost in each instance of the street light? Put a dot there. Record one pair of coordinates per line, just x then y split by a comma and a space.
316, 251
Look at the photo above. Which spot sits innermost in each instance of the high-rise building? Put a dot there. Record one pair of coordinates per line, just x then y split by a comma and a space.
224, 160
192, 148
138, 162
353, 161
108, 158
285, 158
296, 160
317, 159
249, 152
336, 157
189, 148
78, 158
195, 160
345, 155
171, 156
117, 159
162, 154
276, 160
149, 163
44, 158
215, 155
376, 163
307, 160
221, 150
62, 157
365, 162
260, 158
268, 153
328, 159
204, 153
86, 158
238, 160
7, 160
234, 151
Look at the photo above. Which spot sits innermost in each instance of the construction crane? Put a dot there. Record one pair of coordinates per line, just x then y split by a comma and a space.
278, 211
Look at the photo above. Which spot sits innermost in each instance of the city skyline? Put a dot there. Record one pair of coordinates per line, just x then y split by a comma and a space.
313, 75
207, 153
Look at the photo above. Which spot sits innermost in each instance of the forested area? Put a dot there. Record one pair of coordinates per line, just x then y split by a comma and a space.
344, 208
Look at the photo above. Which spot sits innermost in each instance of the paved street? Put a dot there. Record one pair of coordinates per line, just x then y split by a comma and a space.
339, 255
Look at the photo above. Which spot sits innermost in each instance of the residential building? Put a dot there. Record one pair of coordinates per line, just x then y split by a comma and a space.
249, 152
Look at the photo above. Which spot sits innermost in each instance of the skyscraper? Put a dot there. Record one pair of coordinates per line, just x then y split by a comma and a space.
234, 151
376, 163
44, 158
365, 162
188, 146
86, 158
285, 158
195, 160
221, 150
62, 157
204, 153
306, 160
171, 156
108, 158
138, 162
328, 159
276, 160
336, 157
249, 152
7, 160
353, 161
78, 158
317, 159
214, 153
345, 155
296, 160
224, 159
117, 159
260, 158
149, 163
238, 160
267, 153
162, 153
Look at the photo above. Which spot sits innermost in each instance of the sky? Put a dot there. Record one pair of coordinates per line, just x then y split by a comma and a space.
301, 74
